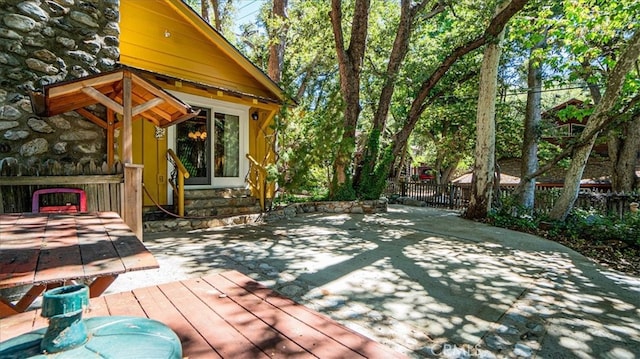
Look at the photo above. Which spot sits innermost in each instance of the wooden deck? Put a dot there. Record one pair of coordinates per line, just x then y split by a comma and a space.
227, 315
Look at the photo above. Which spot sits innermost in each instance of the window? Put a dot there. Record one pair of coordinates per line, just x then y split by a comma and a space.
226, 152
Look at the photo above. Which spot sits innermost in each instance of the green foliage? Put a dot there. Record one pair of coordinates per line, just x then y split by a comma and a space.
343, 192
589, 224
514, 216
373, 183
316, 194
581, 224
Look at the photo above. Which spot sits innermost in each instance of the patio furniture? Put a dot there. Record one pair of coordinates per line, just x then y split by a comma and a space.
226, 315
61, 208
47, 250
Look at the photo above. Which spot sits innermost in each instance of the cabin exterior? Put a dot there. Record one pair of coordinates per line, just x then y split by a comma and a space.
559, 128
94, 87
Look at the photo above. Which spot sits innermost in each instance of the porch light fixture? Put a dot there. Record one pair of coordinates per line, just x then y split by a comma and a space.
255, 116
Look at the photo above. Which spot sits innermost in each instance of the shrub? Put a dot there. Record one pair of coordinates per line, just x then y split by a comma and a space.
580, 224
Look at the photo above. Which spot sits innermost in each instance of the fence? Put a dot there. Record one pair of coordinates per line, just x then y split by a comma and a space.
434, 195
103, 192
453, 196
18, 182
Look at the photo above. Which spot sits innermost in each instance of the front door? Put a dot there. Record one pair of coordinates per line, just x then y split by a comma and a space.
193, 147
212, 146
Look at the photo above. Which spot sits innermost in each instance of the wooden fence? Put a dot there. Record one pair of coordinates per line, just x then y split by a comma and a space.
103, 192
102, 183
456, 197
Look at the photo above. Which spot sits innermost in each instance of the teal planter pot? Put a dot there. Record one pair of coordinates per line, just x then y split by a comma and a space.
70, 336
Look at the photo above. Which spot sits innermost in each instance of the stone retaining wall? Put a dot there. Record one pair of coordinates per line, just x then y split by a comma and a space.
187, 224
364, 207
44, 42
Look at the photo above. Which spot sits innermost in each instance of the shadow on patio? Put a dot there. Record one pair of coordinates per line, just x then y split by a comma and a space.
424, 282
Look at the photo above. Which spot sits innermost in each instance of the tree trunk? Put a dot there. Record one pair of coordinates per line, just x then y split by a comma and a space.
349, 66
485, 151
623, 150
531, 131
419, 103
217, 14
205, 9
408, 15
278, 36
615, 81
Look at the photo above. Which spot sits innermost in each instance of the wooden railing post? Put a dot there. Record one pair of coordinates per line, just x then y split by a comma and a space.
132, 198
257, 184
182, 174
180, 195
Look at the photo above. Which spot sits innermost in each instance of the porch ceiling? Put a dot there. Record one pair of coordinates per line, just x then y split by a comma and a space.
147, 100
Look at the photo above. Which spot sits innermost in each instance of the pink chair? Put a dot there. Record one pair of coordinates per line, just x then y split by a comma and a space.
66, 208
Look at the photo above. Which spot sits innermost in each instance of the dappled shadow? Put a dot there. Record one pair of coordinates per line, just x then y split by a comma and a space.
423, 281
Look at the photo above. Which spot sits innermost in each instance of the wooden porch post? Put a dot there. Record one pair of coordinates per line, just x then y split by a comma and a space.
132, 191
127, 127
132, 198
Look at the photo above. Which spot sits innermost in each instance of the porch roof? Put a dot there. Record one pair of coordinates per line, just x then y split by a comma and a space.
107, 88
122, 92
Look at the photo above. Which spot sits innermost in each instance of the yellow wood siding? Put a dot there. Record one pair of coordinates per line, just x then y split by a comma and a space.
155, 37
164, 37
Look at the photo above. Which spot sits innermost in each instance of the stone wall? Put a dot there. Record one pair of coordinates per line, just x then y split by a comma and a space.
44, 42
290, 211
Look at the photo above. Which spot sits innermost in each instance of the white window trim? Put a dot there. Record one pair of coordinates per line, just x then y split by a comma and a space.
242, 112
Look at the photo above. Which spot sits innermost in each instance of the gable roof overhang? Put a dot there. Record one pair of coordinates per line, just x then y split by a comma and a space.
107, 88
202, 26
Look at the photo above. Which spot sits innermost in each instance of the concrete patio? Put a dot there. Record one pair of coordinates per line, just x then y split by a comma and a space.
422, 281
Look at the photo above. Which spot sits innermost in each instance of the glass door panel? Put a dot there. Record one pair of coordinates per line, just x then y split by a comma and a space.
226, 154
193, 147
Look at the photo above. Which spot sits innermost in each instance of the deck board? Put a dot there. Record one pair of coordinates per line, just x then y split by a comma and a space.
342, 334
226, 315
313, 340
157, 306
250, 326
221, 335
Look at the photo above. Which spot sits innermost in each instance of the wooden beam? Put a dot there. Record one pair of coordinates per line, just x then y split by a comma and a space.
108, 102
91, 117
181, 107
127, 118
146, 106
110, 137
59, 180
157, 110
76, 86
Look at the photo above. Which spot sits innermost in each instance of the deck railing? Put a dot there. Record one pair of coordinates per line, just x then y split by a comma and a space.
176, 181
257, 179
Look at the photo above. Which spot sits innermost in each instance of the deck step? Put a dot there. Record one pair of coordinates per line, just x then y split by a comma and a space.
219, 202
216, 193
207, 208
